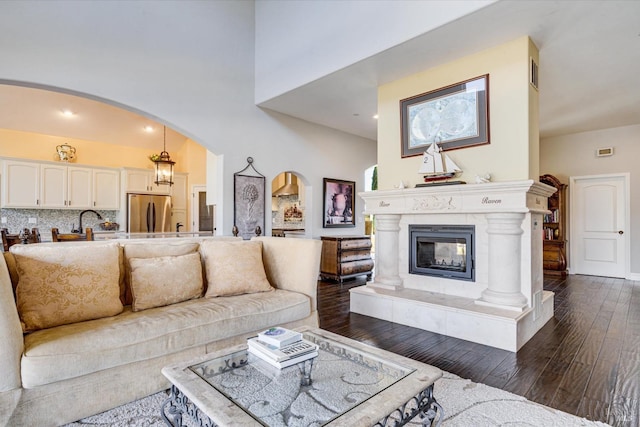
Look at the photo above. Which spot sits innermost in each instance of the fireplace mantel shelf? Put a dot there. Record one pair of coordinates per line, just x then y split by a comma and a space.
513, 196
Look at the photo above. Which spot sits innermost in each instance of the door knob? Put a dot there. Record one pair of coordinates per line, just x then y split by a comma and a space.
620, 232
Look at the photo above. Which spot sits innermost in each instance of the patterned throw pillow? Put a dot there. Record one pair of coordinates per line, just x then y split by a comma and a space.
65, 283
234, 268
147, 249
156, 282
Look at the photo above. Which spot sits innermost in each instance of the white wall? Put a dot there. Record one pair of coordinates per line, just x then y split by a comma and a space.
298, 42
189, 64
575, 155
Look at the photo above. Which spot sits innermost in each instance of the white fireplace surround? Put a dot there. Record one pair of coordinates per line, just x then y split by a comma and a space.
505, 305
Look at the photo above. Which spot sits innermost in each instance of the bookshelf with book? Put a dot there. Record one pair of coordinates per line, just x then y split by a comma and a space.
554, 243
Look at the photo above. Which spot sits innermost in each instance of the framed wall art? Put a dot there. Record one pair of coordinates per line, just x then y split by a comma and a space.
455, 116
339, 199
248, 201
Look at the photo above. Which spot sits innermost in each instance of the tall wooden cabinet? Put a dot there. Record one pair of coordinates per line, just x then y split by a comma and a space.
346, 257
554, 257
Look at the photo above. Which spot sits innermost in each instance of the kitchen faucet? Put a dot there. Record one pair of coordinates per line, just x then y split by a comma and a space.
79, 230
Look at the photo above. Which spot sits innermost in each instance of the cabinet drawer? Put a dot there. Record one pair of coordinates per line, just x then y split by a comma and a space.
354, 267
355, 255
363, 243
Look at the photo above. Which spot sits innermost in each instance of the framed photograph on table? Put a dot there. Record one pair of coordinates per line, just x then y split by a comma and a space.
339, 199
455, 116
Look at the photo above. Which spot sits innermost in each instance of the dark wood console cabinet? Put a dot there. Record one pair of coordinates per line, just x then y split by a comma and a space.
346, 257
554, 258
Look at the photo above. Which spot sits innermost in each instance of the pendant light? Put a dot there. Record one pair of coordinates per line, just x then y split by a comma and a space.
164, 165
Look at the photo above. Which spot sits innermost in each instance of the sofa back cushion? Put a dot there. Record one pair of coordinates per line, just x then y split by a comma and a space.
160, 281
149, 249
61, 284
234, 268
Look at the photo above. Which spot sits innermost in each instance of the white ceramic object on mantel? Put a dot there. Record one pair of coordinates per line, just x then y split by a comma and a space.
66, 153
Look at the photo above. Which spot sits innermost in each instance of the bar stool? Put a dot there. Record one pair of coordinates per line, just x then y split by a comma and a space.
9, 240
56, 236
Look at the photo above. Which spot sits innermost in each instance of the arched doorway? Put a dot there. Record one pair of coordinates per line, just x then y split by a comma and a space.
289, 213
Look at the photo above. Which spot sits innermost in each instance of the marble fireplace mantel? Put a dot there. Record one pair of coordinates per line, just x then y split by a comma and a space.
508, 221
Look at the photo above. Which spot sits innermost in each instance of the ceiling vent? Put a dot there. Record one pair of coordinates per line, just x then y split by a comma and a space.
290, 187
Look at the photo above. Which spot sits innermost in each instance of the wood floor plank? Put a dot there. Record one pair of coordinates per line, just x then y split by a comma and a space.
624, 412
572, 387
545, 386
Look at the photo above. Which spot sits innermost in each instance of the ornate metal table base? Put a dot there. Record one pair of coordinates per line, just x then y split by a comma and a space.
423, 405
178, 404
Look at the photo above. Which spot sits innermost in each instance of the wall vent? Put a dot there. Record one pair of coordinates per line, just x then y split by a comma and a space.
603, 152
533, 73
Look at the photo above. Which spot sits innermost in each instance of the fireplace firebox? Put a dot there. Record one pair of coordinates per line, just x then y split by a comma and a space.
442, 251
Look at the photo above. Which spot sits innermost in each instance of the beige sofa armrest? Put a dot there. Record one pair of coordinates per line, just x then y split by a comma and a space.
10, 333
292, 264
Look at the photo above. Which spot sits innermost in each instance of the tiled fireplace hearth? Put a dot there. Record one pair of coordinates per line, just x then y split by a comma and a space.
503, 304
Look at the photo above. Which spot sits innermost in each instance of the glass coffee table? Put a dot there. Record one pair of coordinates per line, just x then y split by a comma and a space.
348, 384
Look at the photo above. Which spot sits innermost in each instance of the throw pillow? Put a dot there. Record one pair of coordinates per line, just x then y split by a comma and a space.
160, 281
65, 283
152, 249
234, 268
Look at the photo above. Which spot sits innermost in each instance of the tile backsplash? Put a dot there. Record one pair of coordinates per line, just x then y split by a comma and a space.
45, 219
282, 209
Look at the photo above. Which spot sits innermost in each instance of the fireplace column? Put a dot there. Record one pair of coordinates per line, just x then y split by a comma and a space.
387, 244
504, 234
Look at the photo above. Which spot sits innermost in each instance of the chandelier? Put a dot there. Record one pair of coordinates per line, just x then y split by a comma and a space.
164, 165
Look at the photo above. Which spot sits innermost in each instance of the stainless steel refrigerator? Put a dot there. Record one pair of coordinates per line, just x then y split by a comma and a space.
147, 213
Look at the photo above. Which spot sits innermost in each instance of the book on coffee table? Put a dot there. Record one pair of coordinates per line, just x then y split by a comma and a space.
284, 363
290, 351
279, 337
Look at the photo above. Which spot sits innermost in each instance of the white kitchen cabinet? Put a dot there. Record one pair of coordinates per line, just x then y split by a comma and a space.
57, 186
106, 189
142, 181
79, 191
53, 186
179, 193
20, 184
65, 187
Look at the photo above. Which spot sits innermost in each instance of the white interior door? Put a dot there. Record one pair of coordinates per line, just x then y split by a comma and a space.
599, 232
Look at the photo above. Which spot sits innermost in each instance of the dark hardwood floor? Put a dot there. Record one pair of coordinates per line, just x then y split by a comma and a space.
584, 361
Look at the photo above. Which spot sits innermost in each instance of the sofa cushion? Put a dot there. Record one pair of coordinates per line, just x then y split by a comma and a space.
165, 280
150, 249
234, 268
78, 349
63, 284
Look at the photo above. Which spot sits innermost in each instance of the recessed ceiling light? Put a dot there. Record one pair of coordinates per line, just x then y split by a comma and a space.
375, 116
148, 128
68, 113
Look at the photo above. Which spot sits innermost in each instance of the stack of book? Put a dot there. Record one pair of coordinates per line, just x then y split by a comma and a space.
281, 347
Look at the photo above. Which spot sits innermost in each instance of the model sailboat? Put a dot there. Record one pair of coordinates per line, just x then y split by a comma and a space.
436, 165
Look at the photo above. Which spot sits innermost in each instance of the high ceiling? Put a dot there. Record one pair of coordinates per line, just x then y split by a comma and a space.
589, 60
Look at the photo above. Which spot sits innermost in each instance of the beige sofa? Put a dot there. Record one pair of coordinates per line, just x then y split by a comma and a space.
57, 374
